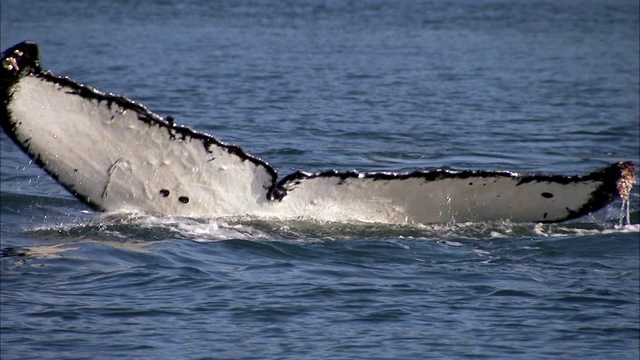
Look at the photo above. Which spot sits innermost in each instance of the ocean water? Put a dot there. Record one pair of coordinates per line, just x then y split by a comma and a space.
528, 86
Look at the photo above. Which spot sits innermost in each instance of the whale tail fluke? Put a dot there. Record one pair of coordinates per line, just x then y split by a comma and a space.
114, 154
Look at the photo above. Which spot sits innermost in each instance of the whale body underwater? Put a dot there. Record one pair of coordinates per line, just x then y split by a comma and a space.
115, 155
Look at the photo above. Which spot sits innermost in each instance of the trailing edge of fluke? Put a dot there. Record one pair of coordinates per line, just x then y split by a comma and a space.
115, 155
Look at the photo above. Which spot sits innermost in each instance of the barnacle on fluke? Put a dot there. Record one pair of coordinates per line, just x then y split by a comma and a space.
114, 154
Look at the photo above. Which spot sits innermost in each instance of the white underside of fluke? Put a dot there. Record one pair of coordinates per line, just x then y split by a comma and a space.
118, 157
118, 162
414, 200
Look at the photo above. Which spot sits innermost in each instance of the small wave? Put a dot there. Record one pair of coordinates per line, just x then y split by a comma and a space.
142, 227
631, 228
136, 226
202, 230
583, 229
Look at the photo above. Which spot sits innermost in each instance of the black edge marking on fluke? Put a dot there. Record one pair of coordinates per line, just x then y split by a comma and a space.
175, 132
613, 183
22, 60
616, 181
289, 181
17, 61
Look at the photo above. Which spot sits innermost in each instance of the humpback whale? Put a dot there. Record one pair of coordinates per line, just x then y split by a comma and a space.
114, 154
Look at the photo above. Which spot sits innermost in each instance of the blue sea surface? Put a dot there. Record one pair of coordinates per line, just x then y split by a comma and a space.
535, 86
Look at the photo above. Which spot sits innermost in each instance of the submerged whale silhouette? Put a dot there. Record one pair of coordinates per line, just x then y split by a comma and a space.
115, 155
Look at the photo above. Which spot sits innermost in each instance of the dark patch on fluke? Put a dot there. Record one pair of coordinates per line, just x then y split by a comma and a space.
22, 61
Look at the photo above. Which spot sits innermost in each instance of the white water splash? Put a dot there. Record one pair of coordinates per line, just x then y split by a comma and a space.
201, 230
121, 226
